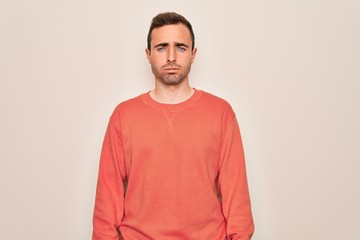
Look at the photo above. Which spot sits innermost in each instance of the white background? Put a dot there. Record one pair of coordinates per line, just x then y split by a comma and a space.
290, 69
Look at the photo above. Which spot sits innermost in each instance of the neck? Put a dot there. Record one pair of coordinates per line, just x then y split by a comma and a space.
172, 94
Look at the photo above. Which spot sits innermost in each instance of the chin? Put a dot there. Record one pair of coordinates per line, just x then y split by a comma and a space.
172, 80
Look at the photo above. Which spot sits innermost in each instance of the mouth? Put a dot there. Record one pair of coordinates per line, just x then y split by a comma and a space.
171, 70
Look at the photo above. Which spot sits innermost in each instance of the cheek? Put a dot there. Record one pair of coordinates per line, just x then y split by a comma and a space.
157, 60
155, 64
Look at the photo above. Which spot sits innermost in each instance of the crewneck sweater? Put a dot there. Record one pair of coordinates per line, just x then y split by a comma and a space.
173, 172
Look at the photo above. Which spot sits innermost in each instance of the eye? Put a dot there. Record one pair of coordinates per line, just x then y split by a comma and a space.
181, 49
161, 49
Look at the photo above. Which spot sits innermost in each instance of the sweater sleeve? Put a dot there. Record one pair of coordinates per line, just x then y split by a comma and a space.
233, 186
109, 201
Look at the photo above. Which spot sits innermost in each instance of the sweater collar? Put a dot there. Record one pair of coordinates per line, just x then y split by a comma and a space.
177, 106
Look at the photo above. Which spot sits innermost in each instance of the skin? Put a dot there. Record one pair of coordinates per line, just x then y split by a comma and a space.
170, 57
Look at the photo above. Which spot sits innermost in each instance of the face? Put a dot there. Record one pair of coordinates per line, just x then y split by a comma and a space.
171, 54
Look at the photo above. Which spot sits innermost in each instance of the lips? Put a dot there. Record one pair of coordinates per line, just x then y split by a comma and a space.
171, 69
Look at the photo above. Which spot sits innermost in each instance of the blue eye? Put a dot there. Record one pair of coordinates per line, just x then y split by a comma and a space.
161, 49
181, 49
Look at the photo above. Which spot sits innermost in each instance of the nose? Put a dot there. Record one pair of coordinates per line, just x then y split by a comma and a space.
171, 57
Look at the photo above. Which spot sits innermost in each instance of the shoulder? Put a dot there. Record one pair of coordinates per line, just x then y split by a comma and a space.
214, 100
218, 105
127, 106
215, 103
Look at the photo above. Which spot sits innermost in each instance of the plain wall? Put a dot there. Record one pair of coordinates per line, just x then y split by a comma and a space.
290, 69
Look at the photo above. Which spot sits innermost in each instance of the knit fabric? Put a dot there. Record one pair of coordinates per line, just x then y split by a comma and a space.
184, 169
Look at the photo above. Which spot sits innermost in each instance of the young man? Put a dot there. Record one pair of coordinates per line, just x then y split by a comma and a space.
178, 150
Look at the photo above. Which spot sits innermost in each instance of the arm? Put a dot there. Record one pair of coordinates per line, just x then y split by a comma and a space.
109, 201
233, 185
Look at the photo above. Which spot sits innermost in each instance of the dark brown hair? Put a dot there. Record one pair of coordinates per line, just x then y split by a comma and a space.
169, 18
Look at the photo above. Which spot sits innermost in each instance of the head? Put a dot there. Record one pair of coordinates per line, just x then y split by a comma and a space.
170, 49
169, 18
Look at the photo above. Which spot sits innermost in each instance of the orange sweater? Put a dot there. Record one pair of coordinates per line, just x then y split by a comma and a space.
176, 159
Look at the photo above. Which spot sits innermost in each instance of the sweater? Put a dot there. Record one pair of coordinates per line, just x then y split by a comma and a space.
172, 172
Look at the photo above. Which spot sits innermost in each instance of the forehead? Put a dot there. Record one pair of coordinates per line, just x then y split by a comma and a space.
171, 33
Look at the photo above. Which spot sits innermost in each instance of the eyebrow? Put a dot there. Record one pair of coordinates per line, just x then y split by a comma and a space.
181, 45
167, 44
161, 45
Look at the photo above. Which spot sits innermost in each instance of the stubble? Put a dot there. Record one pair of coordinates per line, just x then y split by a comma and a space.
173, 78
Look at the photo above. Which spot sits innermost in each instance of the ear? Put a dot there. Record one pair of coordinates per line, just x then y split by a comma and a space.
193, 54
148, 54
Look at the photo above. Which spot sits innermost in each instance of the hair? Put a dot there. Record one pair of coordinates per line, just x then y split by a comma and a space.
169, 18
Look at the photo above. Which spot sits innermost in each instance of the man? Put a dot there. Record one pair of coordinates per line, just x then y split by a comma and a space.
177, 150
